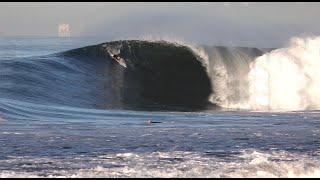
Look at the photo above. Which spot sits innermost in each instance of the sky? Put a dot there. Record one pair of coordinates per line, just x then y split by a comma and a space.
260, 24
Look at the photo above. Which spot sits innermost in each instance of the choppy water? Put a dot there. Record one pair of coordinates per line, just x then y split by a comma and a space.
44, 139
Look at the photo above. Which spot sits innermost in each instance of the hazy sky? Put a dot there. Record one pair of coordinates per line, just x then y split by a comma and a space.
248, 24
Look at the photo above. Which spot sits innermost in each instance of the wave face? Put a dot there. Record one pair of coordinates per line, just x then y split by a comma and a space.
157, 74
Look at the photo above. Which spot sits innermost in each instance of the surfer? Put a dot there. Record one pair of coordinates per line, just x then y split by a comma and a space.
119, 60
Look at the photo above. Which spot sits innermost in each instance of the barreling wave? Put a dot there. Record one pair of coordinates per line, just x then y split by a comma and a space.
155, 73
143, 74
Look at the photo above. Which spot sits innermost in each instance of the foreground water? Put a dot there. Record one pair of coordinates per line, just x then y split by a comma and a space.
50, 140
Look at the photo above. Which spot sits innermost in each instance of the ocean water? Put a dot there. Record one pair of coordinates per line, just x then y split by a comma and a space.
56, 121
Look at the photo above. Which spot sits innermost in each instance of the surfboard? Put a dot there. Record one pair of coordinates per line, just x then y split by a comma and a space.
122, 62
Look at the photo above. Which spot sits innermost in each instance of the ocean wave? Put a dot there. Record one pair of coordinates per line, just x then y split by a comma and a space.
157, 74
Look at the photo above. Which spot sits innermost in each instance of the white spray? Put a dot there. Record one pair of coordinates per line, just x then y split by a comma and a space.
287, 78
283, 79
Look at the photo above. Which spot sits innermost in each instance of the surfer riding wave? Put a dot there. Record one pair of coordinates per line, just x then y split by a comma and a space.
120, 60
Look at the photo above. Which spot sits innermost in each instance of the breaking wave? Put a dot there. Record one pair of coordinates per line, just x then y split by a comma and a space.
158, 74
